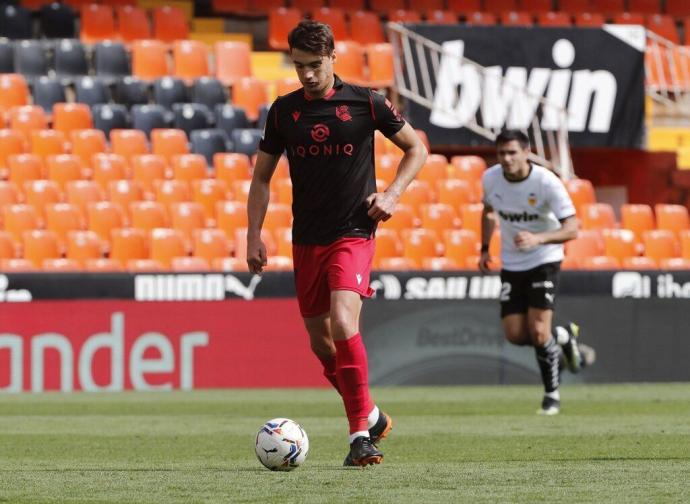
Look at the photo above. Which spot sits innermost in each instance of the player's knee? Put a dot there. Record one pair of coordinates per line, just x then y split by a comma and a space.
517, 338
343, 324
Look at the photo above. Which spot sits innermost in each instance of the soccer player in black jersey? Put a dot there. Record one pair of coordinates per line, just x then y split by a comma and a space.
326, 129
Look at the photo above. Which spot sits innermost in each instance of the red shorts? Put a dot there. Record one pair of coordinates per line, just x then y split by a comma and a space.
319, 269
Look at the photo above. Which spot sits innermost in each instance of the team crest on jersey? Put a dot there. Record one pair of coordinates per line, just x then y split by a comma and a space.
343, 113
532, 199
295, 115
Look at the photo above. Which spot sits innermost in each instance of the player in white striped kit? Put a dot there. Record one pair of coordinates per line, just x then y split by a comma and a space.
536, 217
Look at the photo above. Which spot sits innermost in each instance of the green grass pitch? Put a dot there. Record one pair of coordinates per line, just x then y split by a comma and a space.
619, 443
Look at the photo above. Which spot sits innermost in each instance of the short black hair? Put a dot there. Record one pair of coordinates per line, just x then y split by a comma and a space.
312, 37
508, 135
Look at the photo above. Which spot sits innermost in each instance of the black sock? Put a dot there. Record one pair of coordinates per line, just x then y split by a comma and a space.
548, 357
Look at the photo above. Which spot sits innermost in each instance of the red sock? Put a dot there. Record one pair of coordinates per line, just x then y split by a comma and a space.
328, 364
353, 381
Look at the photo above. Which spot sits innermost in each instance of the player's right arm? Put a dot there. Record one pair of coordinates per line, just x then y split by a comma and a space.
488, 224
259, 192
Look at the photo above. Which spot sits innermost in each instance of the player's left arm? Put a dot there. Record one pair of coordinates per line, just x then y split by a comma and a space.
382, 205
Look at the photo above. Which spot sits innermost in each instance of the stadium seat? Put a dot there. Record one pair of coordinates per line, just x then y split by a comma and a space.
536, 6
14, 91
48, 142
397, 264
31, 59
638, 263
231, 166
40, 193
240, 190
638, 218
387, 167
60, 265
277, 216
27, 119
190, 59
168, 91
88, 142
145, 266
6, 56
186, 217
147, 168
677, 8
209, 91
404, 217
40, 244
209, 143
148, 215
439, 217
111, 61
246, 141
229, 117
124, 192
350, 63
575, 6
17, 265
307, 6
600, 263
515, 18
232, 61
16, 22
11, 142
132, 23
419, 243
404, 16
631, 18
70, 60
189, 167
57, 21
441, 17
589, 19
581, 191
226, 264
660, 244
481, 19
439, 264
9, 194
335, 18
500, 5
608, 7
48, 91
189, 264
619, 243
131, 91
208, 192
464, 6
64, 168
128, 244
471, 217
380, 63
61, 218
554, 19
23, 168
166, 244
103, 265
210, 244
388, 244
191, 116
365, 27
108, 167
284, 191
102, 218
169, 142
82, 193
8, 249
685, 244
460, 244
149, 59
589, 243
172, 191
91, 91
71, 116
674, 263
470, 168
664, 26
435, 169
249, 93
97, 23
169, 24
230, 216
455, 192
674, 218
108, 117
148, 118
597, 216
128, 142
280, 21
19, 218
418, 193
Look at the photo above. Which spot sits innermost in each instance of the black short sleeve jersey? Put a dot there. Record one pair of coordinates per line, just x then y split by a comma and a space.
329, 144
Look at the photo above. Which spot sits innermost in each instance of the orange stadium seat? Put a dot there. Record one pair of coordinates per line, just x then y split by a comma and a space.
348, 5
284, 191
597, 216
678, 8
628, 18
105, 171
189, 167
674, 218
240, 243
397, 264
515, 18
128, 244
11, 142
600, 263
280, 21
148, 215
638, 218
172, 191
208, 192
187, 264
382, 7
64, 168
404, 16
166, 244
14, 91
287, 85
619, 243
128, 142
419, 243
350, 63
233, 61
250, 93
500, 5
186, 217
455, 192
481, 19
608, 6
441, 17
231, 166
575, 6
86, 143
83, 245
19, 218
9, 194
48, 142
39, 193
8, 249
40, 244
17, 265
589, 243
27, 119
132, 23
365, 27
103, 265
335, 18
581, 191
674, 263
471, 217
169, 24
420, 5
554, 19
387, 166
60, 265
97, 23
663, 25
149, 59
470, 168
638, 263
230, 216
71, 116
229, 264
439, 264
536, 6
61, 218
435, 169
284, 241
388, 244
277, 216
23, 168
460, 244
240, 189
589, 19
145, 266
102, 218
439, 217
147, 168
417, 193
210, 244
404, 217
685, 244
124, 192
169, 142
660, 244
190, 59
279, 263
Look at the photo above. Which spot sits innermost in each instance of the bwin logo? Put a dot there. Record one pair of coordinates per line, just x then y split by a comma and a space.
511, 100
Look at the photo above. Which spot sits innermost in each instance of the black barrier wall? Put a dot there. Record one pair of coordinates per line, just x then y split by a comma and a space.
440, 328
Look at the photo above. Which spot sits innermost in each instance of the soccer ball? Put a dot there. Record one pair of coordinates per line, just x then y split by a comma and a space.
281, 444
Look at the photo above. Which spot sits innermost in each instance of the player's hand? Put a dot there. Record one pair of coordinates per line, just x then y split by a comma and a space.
525, 240
256, 254
381, 206
484, 261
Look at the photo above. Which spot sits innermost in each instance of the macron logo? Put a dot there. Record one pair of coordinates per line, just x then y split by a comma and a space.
359, 279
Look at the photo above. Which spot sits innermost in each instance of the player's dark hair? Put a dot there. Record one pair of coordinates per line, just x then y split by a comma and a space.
312, 37
507, 135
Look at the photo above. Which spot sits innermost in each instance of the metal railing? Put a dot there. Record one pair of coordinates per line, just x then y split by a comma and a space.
667, 72
420, 66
